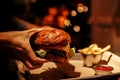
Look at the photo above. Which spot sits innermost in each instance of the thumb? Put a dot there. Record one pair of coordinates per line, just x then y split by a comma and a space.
33, 31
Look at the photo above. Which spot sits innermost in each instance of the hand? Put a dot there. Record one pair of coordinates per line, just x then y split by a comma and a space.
18, 43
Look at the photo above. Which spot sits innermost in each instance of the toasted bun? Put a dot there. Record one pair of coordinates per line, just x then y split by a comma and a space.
52, 36
54, 39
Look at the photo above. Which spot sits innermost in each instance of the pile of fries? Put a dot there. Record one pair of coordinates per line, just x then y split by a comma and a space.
94, 49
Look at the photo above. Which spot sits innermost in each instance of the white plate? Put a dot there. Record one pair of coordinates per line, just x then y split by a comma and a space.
52, 71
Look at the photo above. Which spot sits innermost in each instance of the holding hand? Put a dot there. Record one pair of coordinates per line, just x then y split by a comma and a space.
18, 43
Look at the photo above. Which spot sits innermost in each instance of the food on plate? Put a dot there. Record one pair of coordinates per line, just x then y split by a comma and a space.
102, 69
94, 49
92, 54
52, 44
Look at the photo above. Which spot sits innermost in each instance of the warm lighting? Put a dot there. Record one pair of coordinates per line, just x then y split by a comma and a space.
80, 9
80, 5
53, 11
76, 28
33, 1
67, 22
73, 13
85, 8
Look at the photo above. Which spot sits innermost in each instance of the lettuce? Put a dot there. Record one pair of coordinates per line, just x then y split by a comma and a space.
72, 52
41, 53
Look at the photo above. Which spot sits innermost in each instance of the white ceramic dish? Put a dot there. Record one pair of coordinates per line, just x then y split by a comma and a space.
103, 69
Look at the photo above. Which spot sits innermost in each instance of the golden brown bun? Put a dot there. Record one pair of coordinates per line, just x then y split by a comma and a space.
53, 38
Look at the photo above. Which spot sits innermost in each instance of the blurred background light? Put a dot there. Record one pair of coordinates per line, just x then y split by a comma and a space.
80, 5
73, 13
76, 28
67, 22
85, 8
80, 9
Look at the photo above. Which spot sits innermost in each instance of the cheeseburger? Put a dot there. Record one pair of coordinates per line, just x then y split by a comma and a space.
52, 44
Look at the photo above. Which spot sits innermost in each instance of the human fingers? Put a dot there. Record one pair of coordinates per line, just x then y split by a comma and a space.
30, 62
31, 55
19, 55
35, 30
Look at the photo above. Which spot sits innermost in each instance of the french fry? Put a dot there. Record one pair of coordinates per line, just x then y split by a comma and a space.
94, 49
105, 49
93, 54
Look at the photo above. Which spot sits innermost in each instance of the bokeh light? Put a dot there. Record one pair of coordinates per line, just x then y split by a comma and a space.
76, 28
73, 13
80, 9
67, 22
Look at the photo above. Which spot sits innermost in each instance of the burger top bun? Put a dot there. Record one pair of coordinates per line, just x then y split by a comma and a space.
52, 36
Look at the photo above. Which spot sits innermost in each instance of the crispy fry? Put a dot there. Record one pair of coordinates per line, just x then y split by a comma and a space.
105, 49
94, 49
